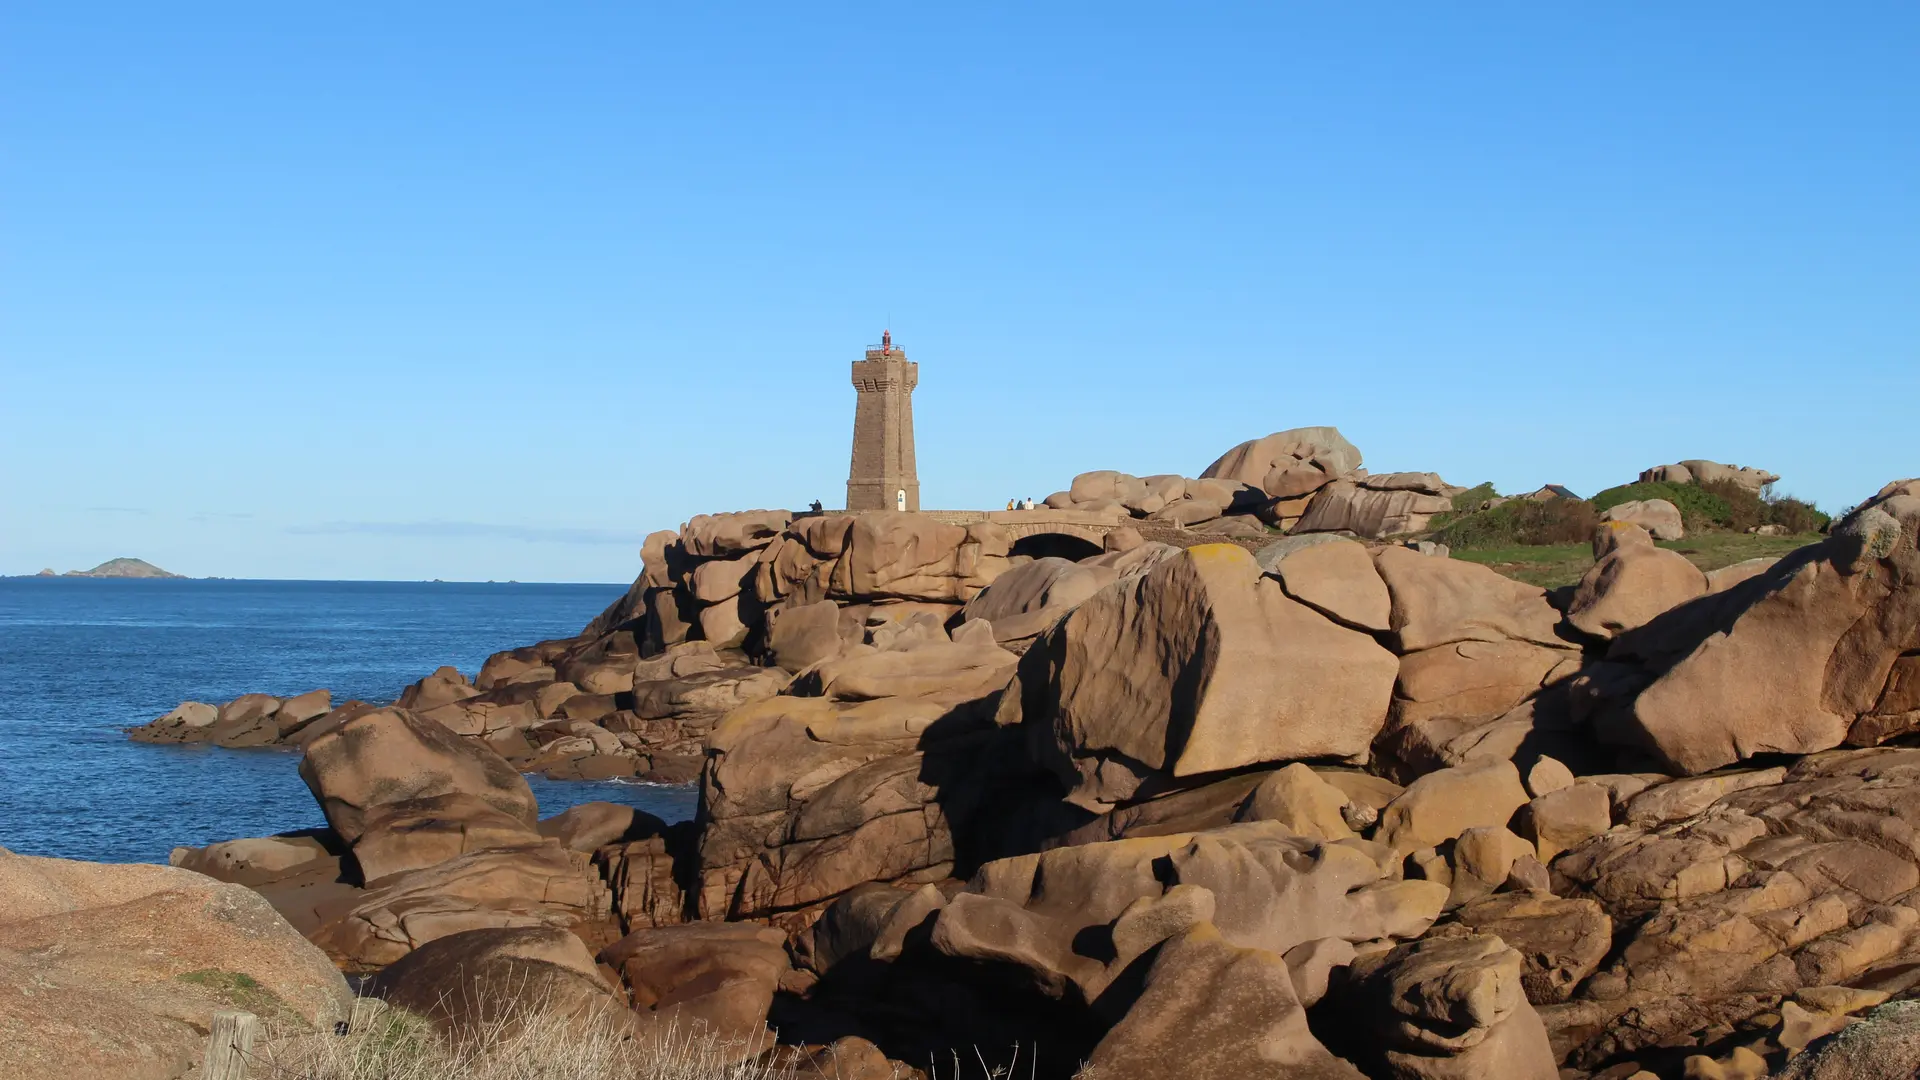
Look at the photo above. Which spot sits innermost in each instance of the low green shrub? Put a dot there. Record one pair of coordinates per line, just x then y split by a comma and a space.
1699, 508
1721, 504
1470, 499
1464, 503
1746, 510
1796, 515
1522, 522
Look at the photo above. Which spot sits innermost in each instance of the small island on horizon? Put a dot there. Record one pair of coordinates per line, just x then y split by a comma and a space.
116, 568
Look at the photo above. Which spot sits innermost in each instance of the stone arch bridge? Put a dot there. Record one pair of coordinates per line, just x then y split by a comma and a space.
1042, 531
1072, 534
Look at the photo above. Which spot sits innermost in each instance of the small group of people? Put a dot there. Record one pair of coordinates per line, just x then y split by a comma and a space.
1020, 504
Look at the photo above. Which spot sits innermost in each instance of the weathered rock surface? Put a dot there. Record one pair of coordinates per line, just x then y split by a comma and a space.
1560, 941
1885, 1045
1026, 600
1290, 463
1447, 802
716, 977
806, 797
1787, 661
1200, 665
1261, 886
116, 971
1631, 583
1362, 509
1211, 1008
1336, 579
413, 834
247, 721
1457, 1011
1180, 816
390, 755
1701, 471
472, 982
539, 884
1658, 516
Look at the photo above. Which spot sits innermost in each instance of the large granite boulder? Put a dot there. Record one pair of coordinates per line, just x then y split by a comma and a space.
1438, 601
1288, 464
1212, 1008
474, 983
249, 720
805, 797
1467, 700
1075, 918
1478, 651
1106, 484
1631, 582
116, 971
1027, 599
1443, 804
1787, 661
1658, 516
914, 557
412, 834
706, 981
1200, 665
676, 712
800, 635
1333, 576
390, 755
1375, 506
1701, 471
1450, 1008
590, 826
1561, 941
445, 686
535, 884
729, 535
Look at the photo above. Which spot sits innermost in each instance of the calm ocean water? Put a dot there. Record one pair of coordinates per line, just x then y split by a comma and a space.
80, 659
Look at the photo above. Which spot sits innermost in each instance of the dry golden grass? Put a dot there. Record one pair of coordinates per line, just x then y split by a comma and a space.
527, 1037
522, 1044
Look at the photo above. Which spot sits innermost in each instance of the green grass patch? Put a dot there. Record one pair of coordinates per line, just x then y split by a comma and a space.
1711, 551
1546, 565
1521, 523
1553, 565
238, 989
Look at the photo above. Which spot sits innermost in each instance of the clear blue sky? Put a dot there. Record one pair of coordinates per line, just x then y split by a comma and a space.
490, 290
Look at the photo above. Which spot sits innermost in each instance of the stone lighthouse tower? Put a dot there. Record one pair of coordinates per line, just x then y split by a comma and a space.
883, 476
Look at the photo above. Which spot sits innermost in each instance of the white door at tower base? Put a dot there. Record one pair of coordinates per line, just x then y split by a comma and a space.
900, 499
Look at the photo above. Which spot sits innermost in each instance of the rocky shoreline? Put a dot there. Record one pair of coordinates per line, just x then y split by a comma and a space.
1252, 789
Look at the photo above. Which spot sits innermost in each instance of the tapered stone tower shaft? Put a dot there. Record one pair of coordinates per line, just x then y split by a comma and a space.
883, 476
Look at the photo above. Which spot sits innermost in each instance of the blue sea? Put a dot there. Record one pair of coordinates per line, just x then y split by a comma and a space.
82, 659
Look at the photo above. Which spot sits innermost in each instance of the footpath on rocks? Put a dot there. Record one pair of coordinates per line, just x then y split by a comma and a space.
1266, 785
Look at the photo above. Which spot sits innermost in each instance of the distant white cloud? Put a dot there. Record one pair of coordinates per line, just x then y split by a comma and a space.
532, 534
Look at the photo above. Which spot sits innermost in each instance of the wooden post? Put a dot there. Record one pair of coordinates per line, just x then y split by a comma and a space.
230, 1045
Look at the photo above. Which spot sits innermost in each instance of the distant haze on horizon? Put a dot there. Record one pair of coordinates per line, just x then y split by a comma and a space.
490, 292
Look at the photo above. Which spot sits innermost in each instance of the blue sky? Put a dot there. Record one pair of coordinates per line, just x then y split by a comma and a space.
491, 290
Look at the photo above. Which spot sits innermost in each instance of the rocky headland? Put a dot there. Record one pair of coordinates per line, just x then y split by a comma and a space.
116, 568
1237, 775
